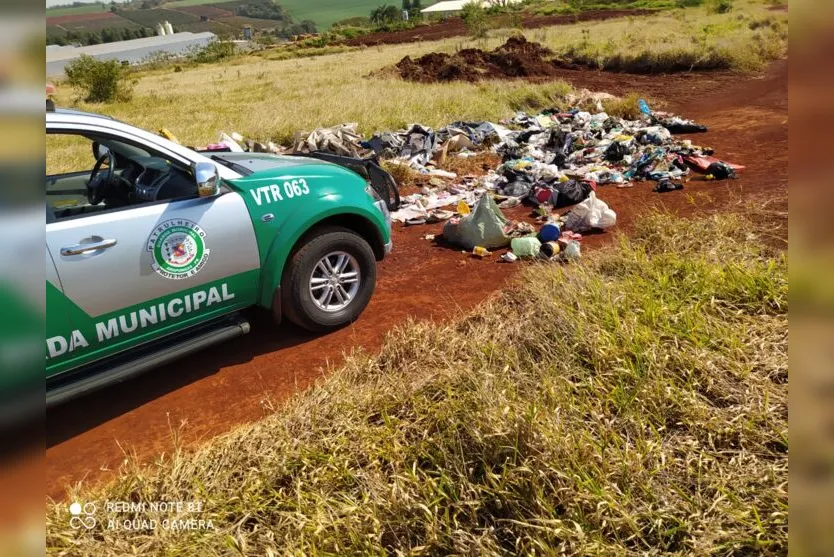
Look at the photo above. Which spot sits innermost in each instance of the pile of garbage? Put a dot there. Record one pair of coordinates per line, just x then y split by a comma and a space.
552, 160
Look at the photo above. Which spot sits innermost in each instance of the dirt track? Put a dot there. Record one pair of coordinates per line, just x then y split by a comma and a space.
454, 27
230, 383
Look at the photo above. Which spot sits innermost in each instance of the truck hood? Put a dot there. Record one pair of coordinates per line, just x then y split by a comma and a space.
256, 163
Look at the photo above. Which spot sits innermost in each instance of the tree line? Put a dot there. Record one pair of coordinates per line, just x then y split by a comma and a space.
389, 13
107, 35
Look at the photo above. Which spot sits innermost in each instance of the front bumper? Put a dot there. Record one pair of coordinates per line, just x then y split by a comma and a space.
388, 247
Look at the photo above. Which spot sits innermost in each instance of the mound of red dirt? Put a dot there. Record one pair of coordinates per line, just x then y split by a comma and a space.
515, 58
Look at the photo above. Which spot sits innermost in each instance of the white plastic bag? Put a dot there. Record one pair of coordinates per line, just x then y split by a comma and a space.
591, 213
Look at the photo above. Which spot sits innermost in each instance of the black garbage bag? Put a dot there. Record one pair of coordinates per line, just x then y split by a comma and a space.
513, 174
666, 185
570, 193
510, 151
685, 128
679, 125
386, 144
559, 159
616, 151
517, 188
524, 137
721, 171
558, 141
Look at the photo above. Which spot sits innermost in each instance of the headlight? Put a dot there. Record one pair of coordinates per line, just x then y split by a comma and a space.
380, 205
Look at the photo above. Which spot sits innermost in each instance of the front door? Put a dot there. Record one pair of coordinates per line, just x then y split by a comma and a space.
132, 272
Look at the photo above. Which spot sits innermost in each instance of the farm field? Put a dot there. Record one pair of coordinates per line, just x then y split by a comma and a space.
323, 12
326, 12
149, 18
73, 18
76, 10
221, 20
206, 10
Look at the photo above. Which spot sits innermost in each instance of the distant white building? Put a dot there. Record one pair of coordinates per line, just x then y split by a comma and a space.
451, 7
133, 51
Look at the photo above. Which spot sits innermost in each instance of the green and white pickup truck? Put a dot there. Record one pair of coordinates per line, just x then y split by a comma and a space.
153, 248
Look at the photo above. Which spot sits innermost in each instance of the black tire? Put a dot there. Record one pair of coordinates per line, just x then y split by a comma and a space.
297, 303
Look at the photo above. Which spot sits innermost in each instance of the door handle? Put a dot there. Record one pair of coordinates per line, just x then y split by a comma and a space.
79, 249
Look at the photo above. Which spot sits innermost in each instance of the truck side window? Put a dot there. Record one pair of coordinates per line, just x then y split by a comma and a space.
88, 174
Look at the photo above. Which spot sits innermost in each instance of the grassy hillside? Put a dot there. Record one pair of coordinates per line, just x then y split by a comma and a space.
268, 96
633, 404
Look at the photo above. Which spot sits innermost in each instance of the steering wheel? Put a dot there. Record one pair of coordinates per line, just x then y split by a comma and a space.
97, 181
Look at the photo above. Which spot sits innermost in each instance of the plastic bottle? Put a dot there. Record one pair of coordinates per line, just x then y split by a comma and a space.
480, 251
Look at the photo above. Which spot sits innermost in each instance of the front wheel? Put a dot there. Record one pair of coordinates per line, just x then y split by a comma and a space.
329, 280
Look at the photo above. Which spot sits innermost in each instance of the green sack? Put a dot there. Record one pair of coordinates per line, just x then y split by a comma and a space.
527, 246
484, 226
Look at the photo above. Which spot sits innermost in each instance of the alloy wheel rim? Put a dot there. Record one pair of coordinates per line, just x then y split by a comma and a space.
335, 281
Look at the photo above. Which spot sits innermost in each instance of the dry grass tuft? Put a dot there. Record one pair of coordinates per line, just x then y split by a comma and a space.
634, 403
478, 165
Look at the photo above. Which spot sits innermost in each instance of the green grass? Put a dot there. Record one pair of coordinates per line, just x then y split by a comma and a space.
76, 10
680, 40
635, 403
547, 7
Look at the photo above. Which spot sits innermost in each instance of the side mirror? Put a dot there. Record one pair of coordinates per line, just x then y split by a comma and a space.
99, 150
208, 181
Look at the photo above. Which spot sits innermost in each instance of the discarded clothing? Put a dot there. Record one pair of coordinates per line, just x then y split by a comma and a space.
340, 140
386, 144
419, 145
703, 162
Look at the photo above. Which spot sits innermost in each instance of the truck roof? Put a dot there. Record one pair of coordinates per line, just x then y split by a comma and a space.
71, 111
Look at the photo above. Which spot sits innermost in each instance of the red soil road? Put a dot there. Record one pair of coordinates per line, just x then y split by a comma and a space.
230, 383
454, 27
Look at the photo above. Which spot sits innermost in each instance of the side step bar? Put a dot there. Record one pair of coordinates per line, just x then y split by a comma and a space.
143, 358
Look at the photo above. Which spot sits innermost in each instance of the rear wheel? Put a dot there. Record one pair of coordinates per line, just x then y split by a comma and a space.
329, 280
